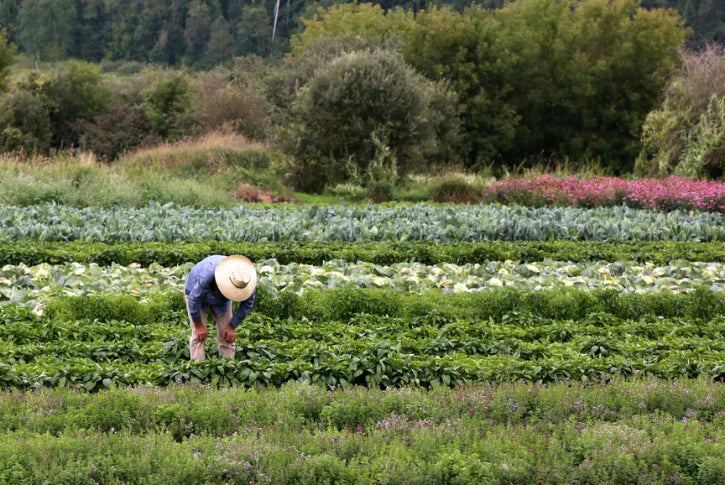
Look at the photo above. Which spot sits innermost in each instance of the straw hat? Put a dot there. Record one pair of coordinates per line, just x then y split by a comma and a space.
236, 277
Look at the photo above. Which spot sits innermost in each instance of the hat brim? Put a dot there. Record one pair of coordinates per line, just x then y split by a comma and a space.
238, 265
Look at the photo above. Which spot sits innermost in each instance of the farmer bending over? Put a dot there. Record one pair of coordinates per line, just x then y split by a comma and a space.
213, 284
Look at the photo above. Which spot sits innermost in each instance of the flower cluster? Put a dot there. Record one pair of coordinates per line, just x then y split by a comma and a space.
649, 193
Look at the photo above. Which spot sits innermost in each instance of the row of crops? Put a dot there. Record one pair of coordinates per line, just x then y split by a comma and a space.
329, 340
32, 286
442, 224
388, 344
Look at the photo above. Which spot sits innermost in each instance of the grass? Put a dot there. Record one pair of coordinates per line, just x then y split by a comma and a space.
200, 172
643, 431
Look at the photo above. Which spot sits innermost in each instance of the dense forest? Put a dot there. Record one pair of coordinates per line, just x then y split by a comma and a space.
203, 33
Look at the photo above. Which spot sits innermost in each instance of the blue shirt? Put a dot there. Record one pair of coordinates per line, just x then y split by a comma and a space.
203, 292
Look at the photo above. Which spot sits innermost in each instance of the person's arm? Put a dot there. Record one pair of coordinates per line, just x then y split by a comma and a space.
195, 297
244, 308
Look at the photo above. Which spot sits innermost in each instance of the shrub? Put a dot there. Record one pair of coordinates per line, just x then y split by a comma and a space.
115, 132
168, 103
73, 95
351, 191
231, 100
24, 123
357, 108
454, 187
686, 134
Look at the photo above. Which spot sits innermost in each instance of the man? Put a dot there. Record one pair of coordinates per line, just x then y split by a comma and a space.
213, 284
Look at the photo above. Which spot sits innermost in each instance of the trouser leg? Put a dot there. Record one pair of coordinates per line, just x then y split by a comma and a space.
196, 346
226, 349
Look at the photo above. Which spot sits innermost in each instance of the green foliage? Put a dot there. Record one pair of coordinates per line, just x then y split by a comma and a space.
316, 253
7, 58
480, 433
348, 191
463, 49
167, 106
24, 123
361, 106
46, 28
374, 338
394, 223
686, 134
109, 308
562, 79
72, 94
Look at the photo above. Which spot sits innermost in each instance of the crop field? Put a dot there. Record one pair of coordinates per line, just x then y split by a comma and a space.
388, 344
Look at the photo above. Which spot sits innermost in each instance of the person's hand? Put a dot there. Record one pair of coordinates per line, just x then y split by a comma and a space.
229, 334
201, 331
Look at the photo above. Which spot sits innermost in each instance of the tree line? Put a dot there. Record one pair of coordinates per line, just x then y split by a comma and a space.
368, 94
203, 33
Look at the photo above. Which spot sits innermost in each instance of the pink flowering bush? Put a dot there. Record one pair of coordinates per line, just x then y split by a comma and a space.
648, 193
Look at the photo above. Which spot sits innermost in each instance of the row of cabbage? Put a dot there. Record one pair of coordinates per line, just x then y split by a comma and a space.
434, 223
32, 286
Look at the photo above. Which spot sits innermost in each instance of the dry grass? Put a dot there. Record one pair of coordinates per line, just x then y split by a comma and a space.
171, 154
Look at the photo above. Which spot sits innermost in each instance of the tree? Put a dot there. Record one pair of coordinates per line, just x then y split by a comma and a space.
24, 123
463, 49
360, 107
252, 31
220, 45
7, 58
8, 16
460, 48
198, 30
73, 94
168, 104
586, 75
92, 33
46, 28
685, 135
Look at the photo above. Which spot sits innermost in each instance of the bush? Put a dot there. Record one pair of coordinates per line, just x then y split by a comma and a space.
229, 100
24, 123
349, 191
115, 132
167, 106
73, 95
454, 187
686, 135
357, 108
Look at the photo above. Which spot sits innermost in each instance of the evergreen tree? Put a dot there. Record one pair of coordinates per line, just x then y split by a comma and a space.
9, 17
220, 44
198, 30
253, 31
46, 28
7, 58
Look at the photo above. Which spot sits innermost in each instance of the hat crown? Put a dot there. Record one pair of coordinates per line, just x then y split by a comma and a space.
239, 282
